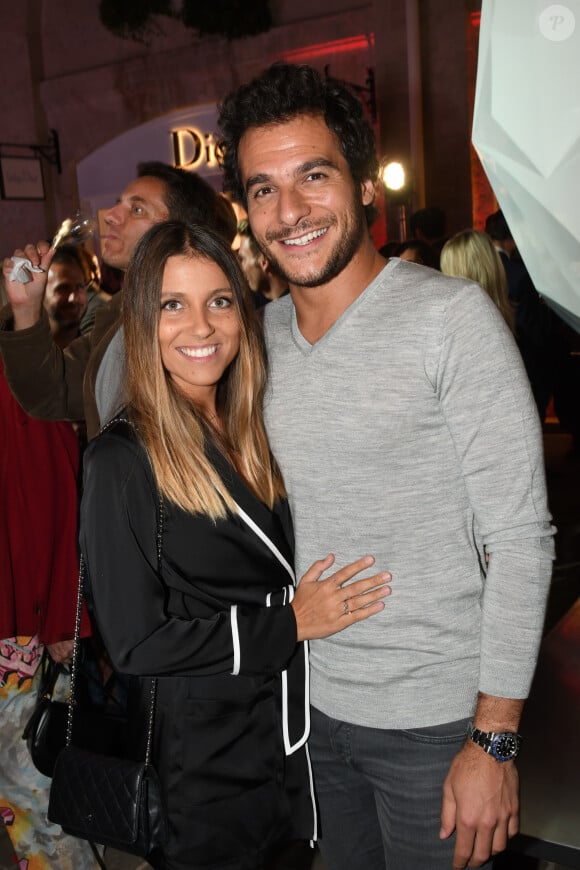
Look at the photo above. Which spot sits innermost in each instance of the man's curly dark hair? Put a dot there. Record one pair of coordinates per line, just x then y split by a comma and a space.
280, 94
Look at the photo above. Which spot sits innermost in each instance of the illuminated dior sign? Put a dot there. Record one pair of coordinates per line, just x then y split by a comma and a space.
182, 138
193, 149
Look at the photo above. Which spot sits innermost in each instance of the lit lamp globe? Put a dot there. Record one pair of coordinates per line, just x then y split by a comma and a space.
395, 180
394, 176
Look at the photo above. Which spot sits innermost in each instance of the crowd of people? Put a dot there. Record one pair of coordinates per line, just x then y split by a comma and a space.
254, 482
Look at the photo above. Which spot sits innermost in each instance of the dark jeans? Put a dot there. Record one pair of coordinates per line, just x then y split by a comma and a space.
379, 794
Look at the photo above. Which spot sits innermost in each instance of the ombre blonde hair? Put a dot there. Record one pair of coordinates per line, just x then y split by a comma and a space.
172, 429
471, 254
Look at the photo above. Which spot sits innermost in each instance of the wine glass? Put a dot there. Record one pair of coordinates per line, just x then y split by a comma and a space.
75, 230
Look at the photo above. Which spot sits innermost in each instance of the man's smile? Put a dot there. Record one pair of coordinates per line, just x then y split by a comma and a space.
304, 240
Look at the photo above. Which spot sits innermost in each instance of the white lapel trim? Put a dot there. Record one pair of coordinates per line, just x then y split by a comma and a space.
289, 747
267, 541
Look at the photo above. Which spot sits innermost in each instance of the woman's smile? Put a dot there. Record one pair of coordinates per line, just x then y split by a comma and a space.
200, 353
199, 330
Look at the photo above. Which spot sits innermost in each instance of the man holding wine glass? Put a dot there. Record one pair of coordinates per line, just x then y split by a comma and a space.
84, 381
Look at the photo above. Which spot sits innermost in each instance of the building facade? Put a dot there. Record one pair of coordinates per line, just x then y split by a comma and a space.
412, 62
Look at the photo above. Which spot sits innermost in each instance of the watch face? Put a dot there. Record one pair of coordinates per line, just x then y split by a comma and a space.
505, 747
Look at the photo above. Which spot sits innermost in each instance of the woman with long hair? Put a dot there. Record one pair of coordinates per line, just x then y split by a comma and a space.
471, 254
217, 619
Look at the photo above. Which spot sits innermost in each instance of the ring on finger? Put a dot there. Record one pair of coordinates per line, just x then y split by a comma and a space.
346, 607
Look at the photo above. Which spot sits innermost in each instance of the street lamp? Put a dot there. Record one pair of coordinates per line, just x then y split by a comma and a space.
394, 178
394, 175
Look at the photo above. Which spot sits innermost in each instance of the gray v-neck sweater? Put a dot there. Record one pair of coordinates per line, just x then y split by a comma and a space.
409, 431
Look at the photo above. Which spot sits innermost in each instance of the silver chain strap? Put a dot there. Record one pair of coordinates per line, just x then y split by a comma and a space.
76, 650
153, 693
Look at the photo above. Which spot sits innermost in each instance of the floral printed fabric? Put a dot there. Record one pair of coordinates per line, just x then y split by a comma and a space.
24, 791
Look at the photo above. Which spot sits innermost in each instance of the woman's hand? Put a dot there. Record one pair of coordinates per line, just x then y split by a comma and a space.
26, 299
323, 607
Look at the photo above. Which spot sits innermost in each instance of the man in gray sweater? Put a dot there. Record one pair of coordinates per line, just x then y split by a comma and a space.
404, 424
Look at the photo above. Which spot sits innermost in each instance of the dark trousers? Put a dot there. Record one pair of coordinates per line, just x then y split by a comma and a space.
379, 794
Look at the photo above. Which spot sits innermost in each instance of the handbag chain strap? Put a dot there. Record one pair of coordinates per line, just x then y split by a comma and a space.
153, 691
76, 649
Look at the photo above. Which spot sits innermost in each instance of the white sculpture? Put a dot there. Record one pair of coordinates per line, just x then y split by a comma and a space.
526, 131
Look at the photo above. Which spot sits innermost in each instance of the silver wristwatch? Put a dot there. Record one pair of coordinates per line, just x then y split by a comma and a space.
501, 745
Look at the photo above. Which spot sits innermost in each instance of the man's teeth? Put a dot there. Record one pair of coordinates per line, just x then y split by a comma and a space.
304, 240
199, 352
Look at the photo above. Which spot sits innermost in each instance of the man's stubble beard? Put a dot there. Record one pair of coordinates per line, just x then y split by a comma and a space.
343, 252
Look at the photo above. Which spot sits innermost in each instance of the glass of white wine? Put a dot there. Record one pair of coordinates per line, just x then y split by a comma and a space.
75, 230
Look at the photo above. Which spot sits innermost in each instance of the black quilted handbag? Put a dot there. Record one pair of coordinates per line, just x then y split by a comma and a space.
112, 801
103, 799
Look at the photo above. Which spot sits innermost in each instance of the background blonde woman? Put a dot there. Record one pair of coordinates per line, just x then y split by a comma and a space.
471, 254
